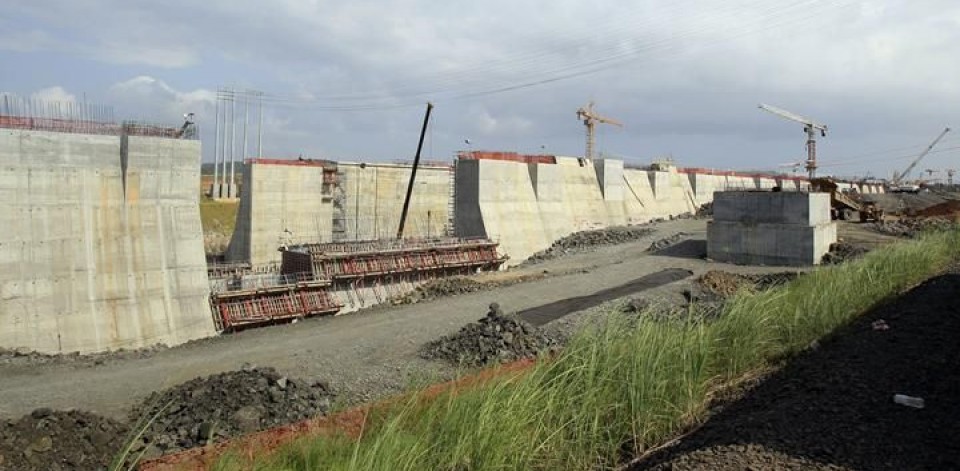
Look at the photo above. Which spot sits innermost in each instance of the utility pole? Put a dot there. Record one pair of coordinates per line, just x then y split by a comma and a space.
233, 141
246, 115
215, 187
260, 128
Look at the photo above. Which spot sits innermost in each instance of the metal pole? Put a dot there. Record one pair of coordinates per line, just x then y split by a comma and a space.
215, 190
260, 129
413, 174
811, 151
246, 115
233, 141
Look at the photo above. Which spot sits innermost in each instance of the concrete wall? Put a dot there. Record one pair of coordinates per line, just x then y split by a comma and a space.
280, 204
373, 197
102, 246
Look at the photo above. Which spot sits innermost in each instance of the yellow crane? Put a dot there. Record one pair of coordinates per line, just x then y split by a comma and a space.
590, 119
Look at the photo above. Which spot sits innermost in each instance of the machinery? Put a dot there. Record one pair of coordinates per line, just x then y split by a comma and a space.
898, 185
844, 206
590, 120
810, 127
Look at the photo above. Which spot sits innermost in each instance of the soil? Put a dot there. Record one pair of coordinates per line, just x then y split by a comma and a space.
912, 227
841, 252
832, 406
725, 284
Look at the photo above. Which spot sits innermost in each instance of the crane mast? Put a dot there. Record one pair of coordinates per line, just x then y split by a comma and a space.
590, 120
810, 127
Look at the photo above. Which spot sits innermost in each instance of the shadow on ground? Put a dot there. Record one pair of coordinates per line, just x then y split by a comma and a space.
832, 407
690, 248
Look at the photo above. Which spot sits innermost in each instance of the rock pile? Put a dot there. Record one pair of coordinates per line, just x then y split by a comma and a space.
22, 356
725, 284
911, 228
49, 440
226, 405
496, 338
841, 252
586, 240
666, 242
439, 288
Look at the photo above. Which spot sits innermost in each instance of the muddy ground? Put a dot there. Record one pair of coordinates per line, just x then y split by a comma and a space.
832, 407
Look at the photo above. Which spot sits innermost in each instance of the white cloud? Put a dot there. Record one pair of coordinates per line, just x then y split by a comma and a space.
53, 94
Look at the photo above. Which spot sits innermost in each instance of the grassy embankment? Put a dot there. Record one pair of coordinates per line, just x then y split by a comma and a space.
218, 219
620, 388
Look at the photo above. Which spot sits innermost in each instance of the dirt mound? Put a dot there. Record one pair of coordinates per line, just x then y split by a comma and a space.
49, 440
948, 209
841, 252
226, 405
23, 356
726, 284
496, 338
584, 241
441, 287
666, 242
912, 227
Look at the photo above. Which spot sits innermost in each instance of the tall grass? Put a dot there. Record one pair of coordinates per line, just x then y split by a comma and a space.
619, 387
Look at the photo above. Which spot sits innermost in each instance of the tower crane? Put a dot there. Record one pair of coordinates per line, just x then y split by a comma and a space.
898, 178
810, 127
590, 120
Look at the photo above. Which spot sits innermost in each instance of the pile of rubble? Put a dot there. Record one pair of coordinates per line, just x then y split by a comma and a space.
24, 356
841, 252
666, 242
49, 440
912, 227
725, 284
229, 404
497, 338
586, 240
439, 288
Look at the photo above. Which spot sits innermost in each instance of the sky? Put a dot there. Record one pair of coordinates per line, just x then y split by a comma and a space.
350, 80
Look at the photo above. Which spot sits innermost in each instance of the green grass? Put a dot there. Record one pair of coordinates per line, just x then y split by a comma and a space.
618, 388
218, 216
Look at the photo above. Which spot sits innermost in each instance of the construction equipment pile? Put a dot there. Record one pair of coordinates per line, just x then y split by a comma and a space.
204, 410
585, 241
496, 338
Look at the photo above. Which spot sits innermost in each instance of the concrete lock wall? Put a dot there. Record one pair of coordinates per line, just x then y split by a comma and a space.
280, 204
103, 247
766, 228
373, 197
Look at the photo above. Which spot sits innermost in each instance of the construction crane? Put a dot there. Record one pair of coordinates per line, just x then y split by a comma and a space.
810, 127
590, 120
950, 172
897, 181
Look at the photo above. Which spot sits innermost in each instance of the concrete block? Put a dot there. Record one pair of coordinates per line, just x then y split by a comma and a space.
772, 207
769, 244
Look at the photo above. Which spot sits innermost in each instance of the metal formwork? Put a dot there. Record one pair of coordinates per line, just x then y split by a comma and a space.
237, 309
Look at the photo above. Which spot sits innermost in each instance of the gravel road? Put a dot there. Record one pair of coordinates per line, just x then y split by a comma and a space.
364, 355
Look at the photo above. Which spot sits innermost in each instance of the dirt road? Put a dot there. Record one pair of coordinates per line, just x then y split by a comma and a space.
363, 355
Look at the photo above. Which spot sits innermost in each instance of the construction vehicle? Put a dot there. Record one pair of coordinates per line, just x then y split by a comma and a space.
898, 185
843, 206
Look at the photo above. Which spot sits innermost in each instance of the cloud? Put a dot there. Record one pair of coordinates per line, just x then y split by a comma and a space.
53, 94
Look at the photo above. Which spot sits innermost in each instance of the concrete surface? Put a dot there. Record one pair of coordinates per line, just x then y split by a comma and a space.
766, 228
102, 247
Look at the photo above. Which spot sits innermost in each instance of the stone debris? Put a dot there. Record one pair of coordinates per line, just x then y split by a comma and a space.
226, 405
584, 241
912, 228
441, 287
666, 242
496, 338
23, 356
48, 440
841, 252
725, 284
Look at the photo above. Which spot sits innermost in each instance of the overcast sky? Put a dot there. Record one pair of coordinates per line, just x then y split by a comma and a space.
349, 80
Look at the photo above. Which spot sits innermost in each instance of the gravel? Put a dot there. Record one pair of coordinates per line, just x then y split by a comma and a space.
496, 338
226, 405
665, 242
442, 287
725, 284
49, 440
841, 252
911, 228
21, 356
584, 241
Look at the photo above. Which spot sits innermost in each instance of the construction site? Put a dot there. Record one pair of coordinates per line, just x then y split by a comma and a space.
344, 283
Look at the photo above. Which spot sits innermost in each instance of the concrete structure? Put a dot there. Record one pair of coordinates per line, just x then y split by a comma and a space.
102, 246
770, 228
283, 203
